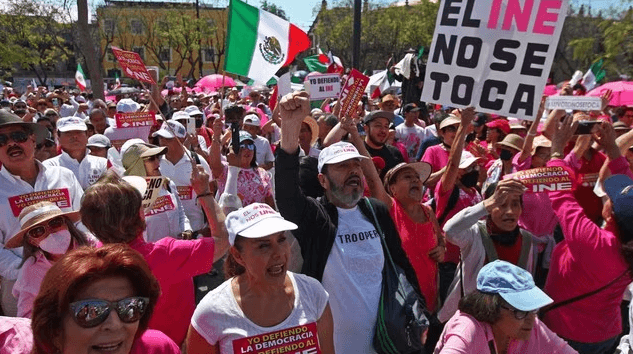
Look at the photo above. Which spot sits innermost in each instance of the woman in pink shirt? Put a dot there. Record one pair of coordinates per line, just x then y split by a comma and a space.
500, 317
111, 209
592, 266
46, 234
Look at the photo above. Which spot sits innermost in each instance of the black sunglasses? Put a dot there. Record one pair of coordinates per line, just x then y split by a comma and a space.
93, 312
518, 314
17, 136
47, 144
249, 146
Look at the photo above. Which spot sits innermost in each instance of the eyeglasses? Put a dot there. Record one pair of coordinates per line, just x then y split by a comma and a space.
93, 312
47, 144
17, 136
518, 314
40, 230
249, 146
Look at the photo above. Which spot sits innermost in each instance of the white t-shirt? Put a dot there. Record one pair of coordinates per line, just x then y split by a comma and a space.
220, 320
167, 216
353, 278
87, 171
180, 174
264, 152
411, 137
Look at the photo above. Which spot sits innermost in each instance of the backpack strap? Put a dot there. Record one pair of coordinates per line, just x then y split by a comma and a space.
491, 252
526, 245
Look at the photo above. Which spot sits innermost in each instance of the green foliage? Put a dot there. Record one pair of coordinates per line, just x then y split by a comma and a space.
273, 9
386, 31
32, 37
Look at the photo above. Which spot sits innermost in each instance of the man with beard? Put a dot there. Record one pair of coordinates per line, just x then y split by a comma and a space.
25, 181
338, 236
377, 131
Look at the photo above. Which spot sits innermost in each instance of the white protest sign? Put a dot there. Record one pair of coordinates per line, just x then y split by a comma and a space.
322, 86
494, 55
577, 103
154, 185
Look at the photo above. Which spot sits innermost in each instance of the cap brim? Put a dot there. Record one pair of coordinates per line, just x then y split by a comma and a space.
97, 145
267, 227
469, 161
528, 300
345, 157
509, 146
163, 133
614, 185
16, 240
154, 151
424, 169
139, 183
72, 127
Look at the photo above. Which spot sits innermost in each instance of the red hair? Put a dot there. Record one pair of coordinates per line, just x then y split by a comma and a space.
74, 272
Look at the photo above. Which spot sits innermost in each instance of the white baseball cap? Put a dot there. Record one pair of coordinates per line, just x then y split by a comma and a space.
127, 105
255, 221
338, 152
193, 111
169, 128
99, 140
252, 119
467, 159
71, 123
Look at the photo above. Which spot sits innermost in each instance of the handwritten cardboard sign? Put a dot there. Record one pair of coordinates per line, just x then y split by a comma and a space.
494, 55
576, 103
300, 339
545, 179
132, 65
61, 197
154, 185
322, 86
352, 92
135, 119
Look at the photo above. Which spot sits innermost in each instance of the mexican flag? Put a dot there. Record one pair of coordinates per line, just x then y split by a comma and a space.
593, 75
80, 79
117, 81
260, 43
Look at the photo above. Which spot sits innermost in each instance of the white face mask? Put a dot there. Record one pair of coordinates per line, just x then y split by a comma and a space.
56, 243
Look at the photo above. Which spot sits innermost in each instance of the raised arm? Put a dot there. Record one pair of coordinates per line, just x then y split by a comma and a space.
529, 138
449, 178
215, 215
215, 160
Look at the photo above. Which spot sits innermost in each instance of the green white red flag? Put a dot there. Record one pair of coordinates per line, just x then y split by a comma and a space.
80, 78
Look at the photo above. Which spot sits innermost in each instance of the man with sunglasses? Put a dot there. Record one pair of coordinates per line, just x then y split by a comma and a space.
176, 165
73, 139
25, 181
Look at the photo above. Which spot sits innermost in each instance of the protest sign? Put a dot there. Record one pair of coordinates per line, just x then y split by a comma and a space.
132, 65
576, 103
300, 339
545, 179
352, 92
118, 136
160, 205
154, 185
322, 86
61, 197
135, 119
494, 55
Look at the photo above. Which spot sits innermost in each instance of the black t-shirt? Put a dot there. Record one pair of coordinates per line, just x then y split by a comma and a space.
390, 154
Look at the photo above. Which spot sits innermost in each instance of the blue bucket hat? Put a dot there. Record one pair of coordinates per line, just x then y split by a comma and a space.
514, 284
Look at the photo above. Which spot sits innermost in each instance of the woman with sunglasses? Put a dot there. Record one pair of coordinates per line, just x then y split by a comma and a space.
97, 300
500, 316
166, 218
46, 234
254, 183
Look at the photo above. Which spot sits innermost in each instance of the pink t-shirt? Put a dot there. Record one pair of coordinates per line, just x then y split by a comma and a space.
437, 156
466, 199
15, 335
28, 283
253, 184
417, 241
464, 334
154, 342
537, 217
587, 259
174, 263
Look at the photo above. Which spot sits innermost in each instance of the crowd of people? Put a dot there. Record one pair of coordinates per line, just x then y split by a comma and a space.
307, 210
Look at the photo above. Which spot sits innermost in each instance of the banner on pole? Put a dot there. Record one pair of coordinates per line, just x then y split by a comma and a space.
132, 65
494, 55
352, 92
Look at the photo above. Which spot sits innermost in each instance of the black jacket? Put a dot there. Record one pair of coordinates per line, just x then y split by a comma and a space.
317, 221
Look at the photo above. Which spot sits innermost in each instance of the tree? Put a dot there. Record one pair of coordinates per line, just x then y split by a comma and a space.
386, 31
34, 37
89, 49
273, 9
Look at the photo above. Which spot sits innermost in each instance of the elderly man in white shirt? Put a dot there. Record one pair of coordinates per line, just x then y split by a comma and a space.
73, 140
25, 181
